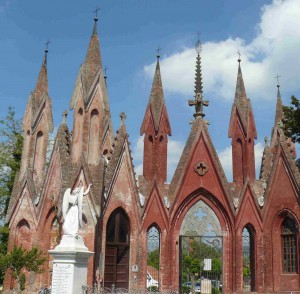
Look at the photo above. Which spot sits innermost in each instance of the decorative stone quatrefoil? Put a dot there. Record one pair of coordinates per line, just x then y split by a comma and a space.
201, 168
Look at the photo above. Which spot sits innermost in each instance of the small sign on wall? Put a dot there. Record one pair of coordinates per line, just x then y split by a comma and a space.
135, 268
207, 264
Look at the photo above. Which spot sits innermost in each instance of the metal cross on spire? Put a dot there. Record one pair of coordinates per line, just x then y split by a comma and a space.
96, 13
46, 46
105, 71
239, 53
277, 77
158, 52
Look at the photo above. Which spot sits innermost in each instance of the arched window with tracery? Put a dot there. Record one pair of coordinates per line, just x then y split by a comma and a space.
153, 258
289, 246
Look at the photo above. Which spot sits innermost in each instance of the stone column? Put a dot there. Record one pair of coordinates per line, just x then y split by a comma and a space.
70, 265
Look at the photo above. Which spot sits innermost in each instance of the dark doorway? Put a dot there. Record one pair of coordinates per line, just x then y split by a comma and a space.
117, 250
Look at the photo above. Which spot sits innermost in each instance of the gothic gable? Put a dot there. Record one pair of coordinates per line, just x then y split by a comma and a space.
199, 167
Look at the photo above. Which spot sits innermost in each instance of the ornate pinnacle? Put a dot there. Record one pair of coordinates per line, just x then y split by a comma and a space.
198, 102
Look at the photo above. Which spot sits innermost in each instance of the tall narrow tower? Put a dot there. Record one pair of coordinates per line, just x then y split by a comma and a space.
92, 126
242, 131
156, 127
37, 124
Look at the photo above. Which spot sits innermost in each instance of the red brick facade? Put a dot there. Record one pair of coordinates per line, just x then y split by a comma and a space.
93, 154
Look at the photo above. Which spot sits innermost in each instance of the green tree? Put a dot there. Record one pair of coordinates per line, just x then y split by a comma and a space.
291, 121
11, 141
153, 258
19, 261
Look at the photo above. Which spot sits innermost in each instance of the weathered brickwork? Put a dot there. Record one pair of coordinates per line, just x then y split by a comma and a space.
93, 153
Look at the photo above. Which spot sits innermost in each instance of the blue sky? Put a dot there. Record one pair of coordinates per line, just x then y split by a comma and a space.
266, 32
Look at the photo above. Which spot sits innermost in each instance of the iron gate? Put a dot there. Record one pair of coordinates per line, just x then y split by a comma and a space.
200, 264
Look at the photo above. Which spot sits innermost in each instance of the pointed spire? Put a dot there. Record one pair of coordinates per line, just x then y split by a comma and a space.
41, 87
92, 62
240, 92
198, 102
279, 112
157, 95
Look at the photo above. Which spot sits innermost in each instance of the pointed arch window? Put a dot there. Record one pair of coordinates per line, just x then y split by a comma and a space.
248, 259
94, 138
153, 258
23, 237
39, 152
77, 139
289, 246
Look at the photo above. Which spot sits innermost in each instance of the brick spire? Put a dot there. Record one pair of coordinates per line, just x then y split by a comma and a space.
92, 63
156, 99
41, 87
240, 91
156, 127
279, 112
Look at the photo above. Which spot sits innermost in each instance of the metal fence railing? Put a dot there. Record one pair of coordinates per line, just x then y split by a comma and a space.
97, 289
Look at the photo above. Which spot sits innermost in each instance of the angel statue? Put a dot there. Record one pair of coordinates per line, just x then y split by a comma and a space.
72, 209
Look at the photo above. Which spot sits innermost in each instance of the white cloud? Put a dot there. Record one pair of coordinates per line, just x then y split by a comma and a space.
175, 149
258, 149
225, 157
274, 50
138, 151
174, 152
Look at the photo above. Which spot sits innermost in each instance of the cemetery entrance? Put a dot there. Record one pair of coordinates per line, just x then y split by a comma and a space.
200, 251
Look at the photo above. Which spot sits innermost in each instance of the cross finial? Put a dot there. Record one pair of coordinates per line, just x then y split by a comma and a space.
46, 46
158, 52
239, 54
96, 14
123, 117
105, 70
277, 77
64, 116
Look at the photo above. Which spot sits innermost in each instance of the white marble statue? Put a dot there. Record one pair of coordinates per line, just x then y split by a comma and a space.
72, 209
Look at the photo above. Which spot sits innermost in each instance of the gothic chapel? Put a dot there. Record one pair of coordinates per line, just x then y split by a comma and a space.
197, 231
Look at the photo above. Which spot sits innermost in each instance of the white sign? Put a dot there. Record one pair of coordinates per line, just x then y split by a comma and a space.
62, 279
207, 264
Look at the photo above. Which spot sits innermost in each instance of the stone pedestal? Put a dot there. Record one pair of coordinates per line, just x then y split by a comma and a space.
69, 265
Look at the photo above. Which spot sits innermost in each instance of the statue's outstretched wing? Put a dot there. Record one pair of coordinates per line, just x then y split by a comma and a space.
80, 198
65, 205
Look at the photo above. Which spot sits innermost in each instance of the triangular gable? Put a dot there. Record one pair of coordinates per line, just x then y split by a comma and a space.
122, 182
24, 207
155, 211
284, 179
248, 208
199, 149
